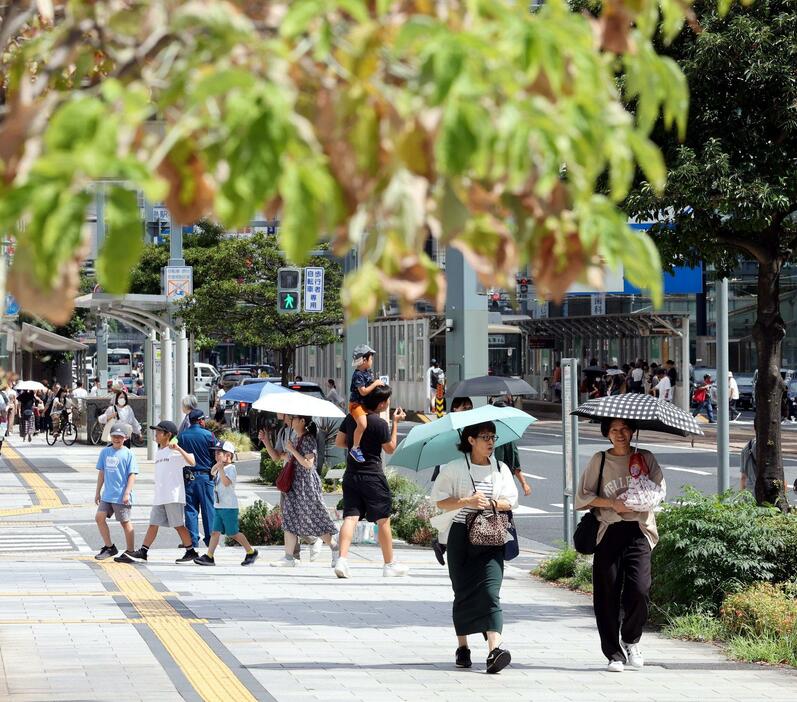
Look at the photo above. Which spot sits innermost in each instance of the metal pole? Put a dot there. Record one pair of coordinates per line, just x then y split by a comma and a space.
570, 463
167, 408
176, 244
356, 331
723, 429
684, 374
180, 367
149, 389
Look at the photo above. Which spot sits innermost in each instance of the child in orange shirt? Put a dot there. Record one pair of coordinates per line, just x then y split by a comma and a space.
362, 383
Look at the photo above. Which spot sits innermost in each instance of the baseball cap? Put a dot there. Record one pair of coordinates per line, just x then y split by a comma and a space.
361, 350
119, 429
225, 446
167, 426
195, 415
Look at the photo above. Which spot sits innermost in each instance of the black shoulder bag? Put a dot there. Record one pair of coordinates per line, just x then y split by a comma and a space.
585, 538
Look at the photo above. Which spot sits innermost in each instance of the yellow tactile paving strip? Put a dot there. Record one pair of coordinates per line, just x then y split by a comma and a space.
207, 673
46, 496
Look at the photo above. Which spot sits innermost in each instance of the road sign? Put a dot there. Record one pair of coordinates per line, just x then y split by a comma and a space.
598, 304
289, 285
178, 282
314, 289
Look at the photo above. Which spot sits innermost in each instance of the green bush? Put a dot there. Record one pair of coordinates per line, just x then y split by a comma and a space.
710, 546
269, 469
776, 650
261, 525
411, 510
694, 626
786, 564
559, 566
331, 485
214, 427
242, 442
761, 610
582, 578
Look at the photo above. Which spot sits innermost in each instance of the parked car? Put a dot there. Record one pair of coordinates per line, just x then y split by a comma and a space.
204, 375
227, 379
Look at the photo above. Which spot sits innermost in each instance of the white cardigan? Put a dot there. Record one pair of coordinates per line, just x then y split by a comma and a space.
455, 481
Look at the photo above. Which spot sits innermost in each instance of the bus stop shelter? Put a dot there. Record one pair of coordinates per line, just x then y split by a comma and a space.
618, 339
165, 351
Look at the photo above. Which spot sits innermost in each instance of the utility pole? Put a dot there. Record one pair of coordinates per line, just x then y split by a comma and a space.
102, 324
723, 419
355, 332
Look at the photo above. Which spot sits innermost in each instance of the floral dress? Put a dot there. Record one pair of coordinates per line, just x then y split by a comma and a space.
303, 510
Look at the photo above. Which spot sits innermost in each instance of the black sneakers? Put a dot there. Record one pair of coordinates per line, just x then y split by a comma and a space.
124, 557
205, 560
189, 555
463, 657
498, 659
106, 552
139, 555
250, 558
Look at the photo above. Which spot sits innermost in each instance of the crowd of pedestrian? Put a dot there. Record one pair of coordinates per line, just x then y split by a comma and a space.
612, 379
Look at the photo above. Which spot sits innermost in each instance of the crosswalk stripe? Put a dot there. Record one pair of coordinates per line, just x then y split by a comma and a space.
535, 477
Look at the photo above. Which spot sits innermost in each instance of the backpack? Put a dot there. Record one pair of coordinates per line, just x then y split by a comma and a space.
700, 395
748, 463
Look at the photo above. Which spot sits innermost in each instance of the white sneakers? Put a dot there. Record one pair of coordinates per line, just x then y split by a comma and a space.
389, 570
342, 567
315, 549
394, 570
634, 656
284, 562
635, 659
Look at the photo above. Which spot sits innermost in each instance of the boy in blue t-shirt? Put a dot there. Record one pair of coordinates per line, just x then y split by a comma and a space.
117, 468
362, 384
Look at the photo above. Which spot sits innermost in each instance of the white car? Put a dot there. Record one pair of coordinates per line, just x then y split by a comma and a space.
204, 375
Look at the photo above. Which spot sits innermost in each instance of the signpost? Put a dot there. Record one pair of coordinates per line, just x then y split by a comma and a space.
314, 289
570, 464
178, 282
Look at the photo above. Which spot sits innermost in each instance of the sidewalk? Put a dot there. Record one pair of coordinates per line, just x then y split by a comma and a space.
75, 629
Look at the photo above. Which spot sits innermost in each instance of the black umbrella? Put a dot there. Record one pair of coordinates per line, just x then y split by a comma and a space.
644, 410
491, 385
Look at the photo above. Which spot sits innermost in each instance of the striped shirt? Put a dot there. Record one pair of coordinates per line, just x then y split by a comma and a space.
485, 487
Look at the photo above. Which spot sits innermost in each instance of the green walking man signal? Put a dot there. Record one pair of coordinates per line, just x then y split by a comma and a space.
289, 285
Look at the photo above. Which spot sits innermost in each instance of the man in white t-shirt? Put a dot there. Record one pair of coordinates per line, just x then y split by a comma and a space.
168, 503
663, 387
637, 379
434, 374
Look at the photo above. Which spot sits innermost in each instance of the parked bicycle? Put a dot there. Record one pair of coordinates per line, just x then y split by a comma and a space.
61, 425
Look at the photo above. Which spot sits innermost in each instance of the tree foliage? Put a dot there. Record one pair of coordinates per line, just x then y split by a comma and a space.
732, 184
235, 293
368, 122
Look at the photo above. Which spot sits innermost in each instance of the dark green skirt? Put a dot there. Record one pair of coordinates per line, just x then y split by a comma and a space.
476, 575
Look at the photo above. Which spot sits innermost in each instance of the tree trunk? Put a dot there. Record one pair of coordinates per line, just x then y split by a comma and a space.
287, 357
768, 333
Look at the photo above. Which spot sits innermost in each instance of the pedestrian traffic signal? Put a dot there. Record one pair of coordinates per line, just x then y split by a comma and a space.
287, 301
524, 286
289, 282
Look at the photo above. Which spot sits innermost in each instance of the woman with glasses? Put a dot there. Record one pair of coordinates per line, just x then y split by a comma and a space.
467, 485
626, 535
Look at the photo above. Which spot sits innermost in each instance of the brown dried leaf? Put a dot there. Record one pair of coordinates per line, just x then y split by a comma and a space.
614, 27
191, 189
557, 261
13, 133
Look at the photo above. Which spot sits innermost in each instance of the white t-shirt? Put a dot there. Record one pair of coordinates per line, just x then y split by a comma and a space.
225, 494
636, 375
80, 393
169, 485
664, 389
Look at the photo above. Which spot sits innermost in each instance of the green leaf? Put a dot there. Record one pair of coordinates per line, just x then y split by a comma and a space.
300, 15
124, 241
650, 160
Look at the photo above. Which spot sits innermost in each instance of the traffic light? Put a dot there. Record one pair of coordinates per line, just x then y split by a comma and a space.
289, 283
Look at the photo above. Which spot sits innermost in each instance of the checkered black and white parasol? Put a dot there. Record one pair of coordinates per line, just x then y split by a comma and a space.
648, 413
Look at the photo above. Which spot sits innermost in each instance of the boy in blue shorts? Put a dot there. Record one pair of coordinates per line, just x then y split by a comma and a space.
117, 468
225, 518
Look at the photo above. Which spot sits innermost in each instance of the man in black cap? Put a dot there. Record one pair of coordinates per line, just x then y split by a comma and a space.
198, 484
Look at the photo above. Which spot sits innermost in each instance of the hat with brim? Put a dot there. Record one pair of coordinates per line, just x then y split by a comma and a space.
119, 430
166, 426
227, 446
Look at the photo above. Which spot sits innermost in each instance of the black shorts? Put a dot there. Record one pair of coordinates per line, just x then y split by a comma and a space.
367, 496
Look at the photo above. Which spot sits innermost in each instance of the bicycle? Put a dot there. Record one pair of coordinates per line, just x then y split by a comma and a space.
66, 430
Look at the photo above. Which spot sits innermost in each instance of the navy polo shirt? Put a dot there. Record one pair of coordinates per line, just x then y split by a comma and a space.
199, 441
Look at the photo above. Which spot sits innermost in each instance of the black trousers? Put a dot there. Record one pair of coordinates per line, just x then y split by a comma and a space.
621, 582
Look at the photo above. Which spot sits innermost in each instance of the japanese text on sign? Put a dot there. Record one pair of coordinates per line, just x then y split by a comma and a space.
314, 289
